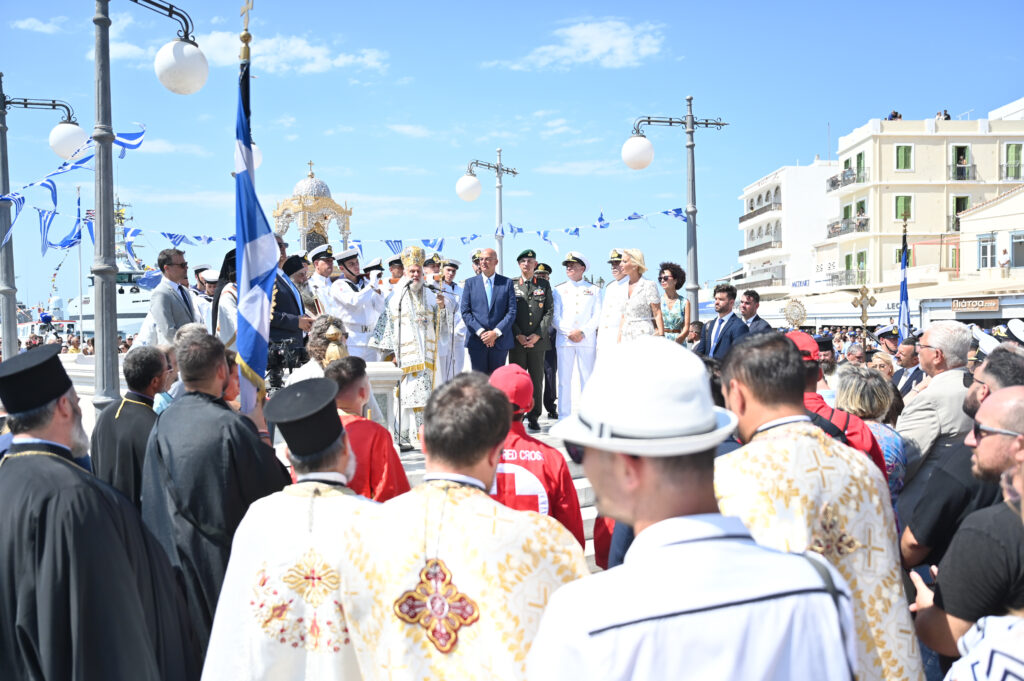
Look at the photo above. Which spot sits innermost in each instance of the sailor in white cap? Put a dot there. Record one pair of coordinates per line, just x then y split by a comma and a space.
320, 280
651, 461
577, 312
358, 303
451, 342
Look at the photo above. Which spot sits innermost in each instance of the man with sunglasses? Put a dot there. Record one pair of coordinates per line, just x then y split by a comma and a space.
691, 573
960, 486
171, 305
982, 573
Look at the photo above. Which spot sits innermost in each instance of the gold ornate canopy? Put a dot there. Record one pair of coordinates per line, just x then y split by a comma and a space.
311, 208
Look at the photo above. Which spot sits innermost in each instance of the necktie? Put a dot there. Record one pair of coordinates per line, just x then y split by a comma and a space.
904, 378
714, 333
488, 291
185, 297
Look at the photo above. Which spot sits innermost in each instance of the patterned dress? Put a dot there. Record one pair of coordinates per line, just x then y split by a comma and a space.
673, 317
798, 490
895, 458
637, 319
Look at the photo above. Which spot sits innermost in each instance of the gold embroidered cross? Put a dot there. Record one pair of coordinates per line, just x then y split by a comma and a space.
437, 606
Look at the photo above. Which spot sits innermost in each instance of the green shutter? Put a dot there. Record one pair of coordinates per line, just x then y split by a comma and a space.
903, 207
903, 161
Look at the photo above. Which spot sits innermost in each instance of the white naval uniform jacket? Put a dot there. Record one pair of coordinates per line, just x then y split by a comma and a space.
696, 598
359, 306
321, 288
577, 306
453, 296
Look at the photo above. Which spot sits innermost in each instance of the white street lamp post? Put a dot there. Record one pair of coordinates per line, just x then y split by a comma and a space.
182, 69
638, 152
65, 139
468, 189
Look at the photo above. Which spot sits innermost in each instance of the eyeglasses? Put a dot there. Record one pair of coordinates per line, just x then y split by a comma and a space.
665, 278
575, 452
922, 345
970, 379
981, 431
179, 264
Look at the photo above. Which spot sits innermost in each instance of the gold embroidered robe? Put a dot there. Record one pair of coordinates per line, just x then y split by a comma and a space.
796, 489
501, 567
279, 615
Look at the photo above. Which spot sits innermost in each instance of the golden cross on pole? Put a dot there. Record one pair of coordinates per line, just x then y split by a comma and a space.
310, 164
864, 301
246, 8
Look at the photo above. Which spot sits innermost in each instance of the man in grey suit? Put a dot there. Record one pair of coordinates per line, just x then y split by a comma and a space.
171, 305
749, 302
933, 424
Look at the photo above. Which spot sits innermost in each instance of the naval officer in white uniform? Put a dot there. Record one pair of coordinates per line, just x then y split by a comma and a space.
577, 312
320, 280
359, 303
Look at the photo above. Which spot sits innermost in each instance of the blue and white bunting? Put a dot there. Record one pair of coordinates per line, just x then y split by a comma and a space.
433, 244
45, 220
601, 222
130, 234
466, 239
394, 244
177, 239
676, 213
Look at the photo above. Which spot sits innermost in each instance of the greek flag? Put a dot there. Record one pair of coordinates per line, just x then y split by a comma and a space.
177, 239
394, 244
45, 220
358, 245
575, 231
130, 233
513, 230
204, 240
466, 239
19, 202
601, 222
546, 236
433, 244
74, 237
635, 216
904, 314
676, 213
256, 254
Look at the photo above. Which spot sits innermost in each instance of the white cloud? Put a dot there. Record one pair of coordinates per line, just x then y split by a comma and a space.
544, 113
291, 138
162, 146
284, 54
612, 44
497, 135
118, 22
410, 130
405, 80
405, 170
339, 129
32, 24
286, 121
557, 126
217, 20
582, 168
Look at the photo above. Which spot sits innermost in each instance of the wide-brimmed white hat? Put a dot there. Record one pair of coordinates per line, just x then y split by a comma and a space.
649, 397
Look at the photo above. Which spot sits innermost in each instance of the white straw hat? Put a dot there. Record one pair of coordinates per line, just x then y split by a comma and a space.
649, 397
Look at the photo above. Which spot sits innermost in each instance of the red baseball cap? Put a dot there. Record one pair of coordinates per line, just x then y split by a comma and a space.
515, 382
806, 344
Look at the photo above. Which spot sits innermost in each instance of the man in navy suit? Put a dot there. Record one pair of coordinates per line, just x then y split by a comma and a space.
910, 373
288, 318
749, 302
489, 310
720, 333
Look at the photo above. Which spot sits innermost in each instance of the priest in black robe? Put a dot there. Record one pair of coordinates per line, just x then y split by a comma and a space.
121, 432
86, 592
204, 465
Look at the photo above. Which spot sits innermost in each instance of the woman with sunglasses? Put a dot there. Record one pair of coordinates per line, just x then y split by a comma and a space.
675, 311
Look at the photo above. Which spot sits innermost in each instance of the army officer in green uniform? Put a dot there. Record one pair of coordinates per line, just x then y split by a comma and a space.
533, 321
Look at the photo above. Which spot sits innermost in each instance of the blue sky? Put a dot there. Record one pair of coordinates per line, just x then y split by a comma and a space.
391, 101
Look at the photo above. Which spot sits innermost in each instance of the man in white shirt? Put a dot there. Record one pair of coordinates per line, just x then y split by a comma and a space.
359, 304
576, 316
451, 346
691, 573
320, 280
612, 302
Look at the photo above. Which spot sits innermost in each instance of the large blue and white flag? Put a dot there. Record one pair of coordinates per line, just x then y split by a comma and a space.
903, 321
256, 254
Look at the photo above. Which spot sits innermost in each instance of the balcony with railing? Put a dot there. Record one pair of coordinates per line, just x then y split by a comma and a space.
848, 176
961, 172
848, 278
838, 228
1008, 171
774, 205
774, 275
762, 244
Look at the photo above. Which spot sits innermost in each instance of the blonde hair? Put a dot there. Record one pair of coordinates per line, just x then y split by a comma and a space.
637, 256
863, 392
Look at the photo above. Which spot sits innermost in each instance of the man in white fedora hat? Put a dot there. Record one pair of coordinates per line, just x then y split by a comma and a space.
691, 573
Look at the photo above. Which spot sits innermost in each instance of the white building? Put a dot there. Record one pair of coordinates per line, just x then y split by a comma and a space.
925, 171
784, 212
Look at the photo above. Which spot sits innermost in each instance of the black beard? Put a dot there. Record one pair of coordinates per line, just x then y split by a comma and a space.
828, 366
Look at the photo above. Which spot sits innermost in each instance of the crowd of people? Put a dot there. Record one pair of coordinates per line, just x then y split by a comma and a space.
777, 505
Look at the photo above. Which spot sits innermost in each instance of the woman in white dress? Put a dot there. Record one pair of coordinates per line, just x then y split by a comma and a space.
641, 315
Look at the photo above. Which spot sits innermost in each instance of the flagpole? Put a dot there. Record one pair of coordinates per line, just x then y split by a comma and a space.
81, 300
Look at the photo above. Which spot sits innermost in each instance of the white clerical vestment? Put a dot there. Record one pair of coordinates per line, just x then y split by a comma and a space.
410, 331
279, 615
799, 490
443, 582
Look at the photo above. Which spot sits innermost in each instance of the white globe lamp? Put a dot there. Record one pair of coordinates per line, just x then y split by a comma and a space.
66, 138
637, 152
468, 187
181, 67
